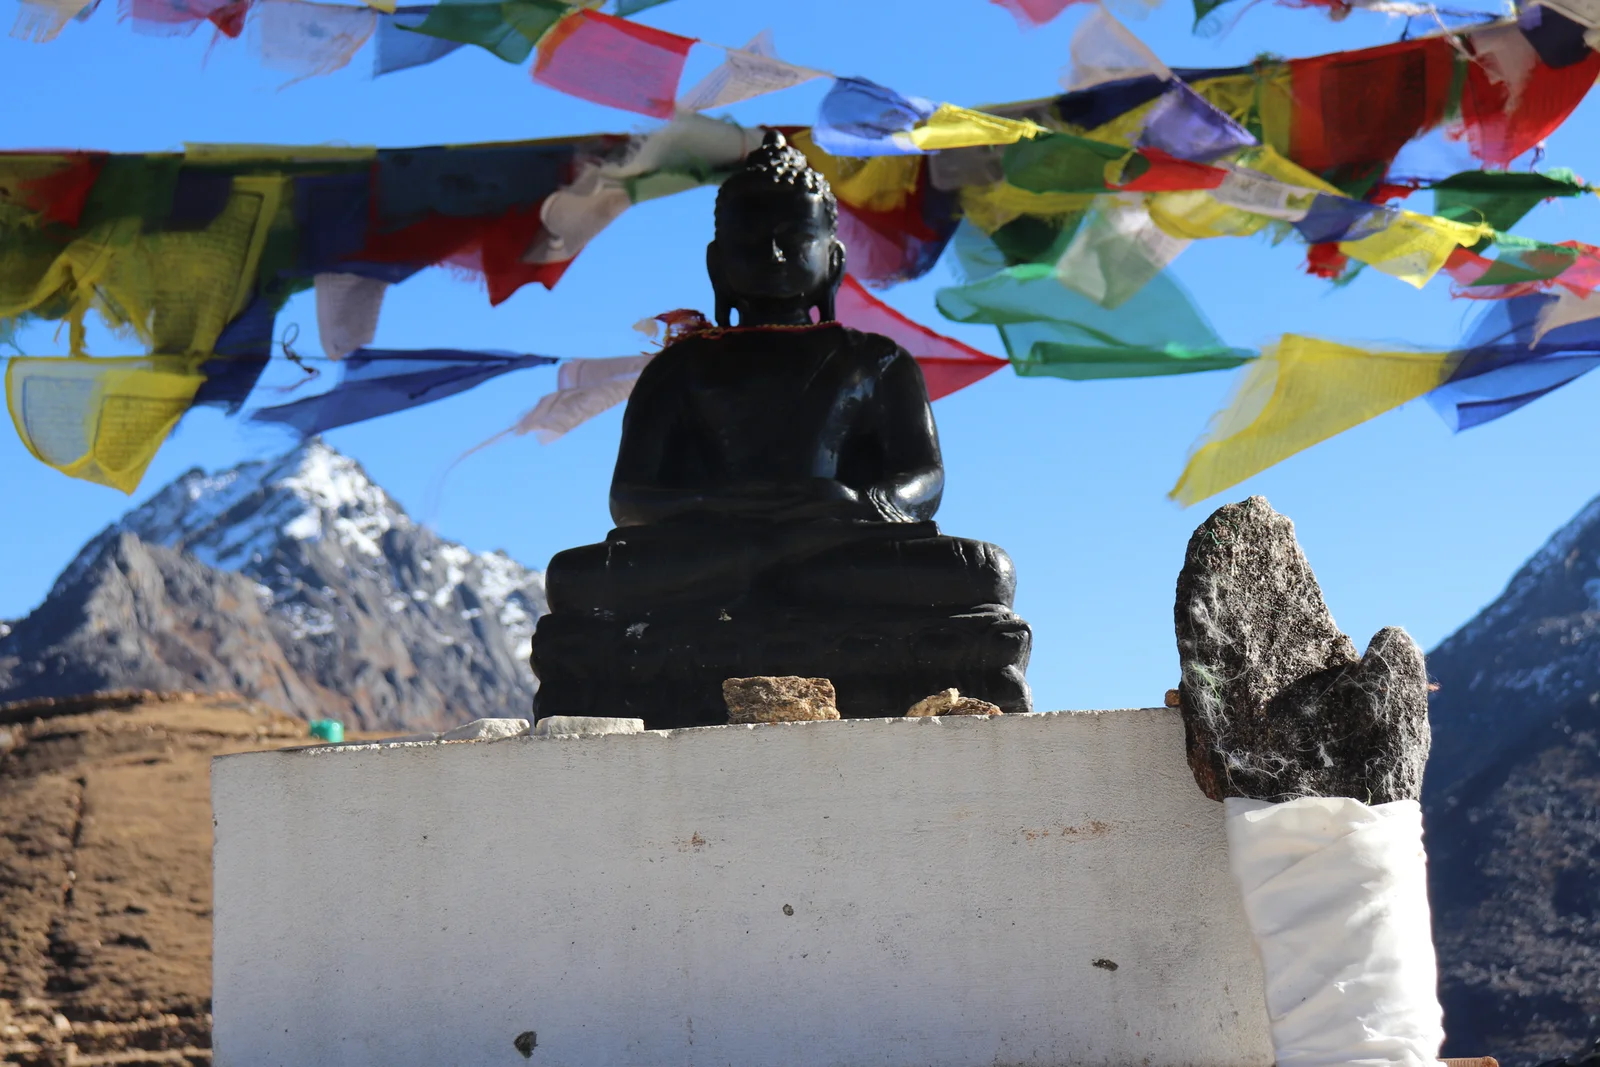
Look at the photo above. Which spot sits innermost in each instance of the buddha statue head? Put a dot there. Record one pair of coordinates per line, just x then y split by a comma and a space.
776, 254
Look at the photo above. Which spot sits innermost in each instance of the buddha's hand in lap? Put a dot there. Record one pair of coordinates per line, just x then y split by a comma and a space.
806, 498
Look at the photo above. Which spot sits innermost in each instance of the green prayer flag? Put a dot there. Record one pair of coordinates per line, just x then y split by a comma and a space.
1050, 330
1060, 163
628, 7
509, 29
1517, 265
1500, 198
1032, 239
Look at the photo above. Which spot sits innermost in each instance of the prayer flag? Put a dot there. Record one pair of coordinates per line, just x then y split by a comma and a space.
959, 127
51, 187
508, 29
1300, 392
100, 420
748, 72
1415, 247
1116, 252
1519, 350
1501, 124
347, 312
1567, 309
947, 365
1351, 111
1499, 198
614, 62
1049, 329
306, 39
1104, 50
574, 215
584, 388
376, 382
1185, 125
400, 47
176, 289
43, 20
1032, 13
172, 18
863, 118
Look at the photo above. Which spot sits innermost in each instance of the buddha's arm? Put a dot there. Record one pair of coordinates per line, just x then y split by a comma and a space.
652, 430
913, 478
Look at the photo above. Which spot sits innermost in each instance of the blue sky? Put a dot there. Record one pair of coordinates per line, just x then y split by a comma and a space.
1405, 523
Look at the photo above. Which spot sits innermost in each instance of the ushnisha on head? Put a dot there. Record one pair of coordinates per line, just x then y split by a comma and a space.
776, 254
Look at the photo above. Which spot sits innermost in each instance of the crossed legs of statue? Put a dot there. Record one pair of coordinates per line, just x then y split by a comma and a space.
802, 565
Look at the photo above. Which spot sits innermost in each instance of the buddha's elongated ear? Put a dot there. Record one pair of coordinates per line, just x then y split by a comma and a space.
825, 300
719, 288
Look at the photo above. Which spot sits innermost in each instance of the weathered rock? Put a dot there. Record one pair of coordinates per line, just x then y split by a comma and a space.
1276, 703
951, 702
782, 699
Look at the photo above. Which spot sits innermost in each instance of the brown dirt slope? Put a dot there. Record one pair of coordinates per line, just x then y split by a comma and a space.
105, 872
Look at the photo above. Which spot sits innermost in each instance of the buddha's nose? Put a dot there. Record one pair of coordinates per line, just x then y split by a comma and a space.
777, 252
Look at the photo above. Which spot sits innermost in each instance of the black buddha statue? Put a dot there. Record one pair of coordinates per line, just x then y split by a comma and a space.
774, 497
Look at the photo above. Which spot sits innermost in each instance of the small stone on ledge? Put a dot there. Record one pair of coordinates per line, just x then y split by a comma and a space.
487, 730
585, 726
779, 699
951, 702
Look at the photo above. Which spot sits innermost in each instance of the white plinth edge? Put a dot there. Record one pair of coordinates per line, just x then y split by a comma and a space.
1024, 891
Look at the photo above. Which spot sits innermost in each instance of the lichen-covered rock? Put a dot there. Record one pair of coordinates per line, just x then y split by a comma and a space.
951, 702
780, 699
1276, 703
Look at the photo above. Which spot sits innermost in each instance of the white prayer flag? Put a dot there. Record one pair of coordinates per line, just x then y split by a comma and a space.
347, 312
751, 71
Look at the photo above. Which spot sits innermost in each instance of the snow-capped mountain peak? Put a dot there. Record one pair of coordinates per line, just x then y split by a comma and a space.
407, 627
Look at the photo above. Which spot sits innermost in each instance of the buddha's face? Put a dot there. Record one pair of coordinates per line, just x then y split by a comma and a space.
775, 247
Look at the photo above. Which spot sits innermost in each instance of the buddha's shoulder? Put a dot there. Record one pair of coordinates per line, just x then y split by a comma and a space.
832, 339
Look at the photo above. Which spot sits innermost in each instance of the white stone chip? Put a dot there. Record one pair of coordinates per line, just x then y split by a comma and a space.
585, 726
487, 730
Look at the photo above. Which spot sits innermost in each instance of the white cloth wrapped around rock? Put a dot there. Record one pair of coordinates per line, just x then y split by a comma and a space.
1336, 893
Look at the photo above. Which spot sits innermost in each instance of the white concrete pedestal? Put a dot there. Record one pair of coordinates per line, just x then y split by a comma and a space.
1038, 890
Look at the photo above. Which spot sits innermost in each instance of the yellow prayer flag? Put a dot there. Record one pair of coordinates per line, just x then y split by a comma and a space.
1270, 162
1414, 247
990, 207
275, 154
175, 289
960, 127
1299, 393
101, 420
872, 183
386, 6
1196, 215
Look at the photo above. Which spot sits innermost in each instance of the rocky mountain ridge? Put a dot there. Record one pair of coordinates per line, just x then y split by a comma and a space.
1511, 803
295, 581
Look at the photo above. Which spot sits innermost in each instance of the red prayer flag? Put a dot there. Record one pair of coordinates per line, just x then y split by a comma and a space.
1031, 13
181, 17
488, 246
1356, 109
1499, 133
615, 62
947, 364
1167, 173
59, 196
